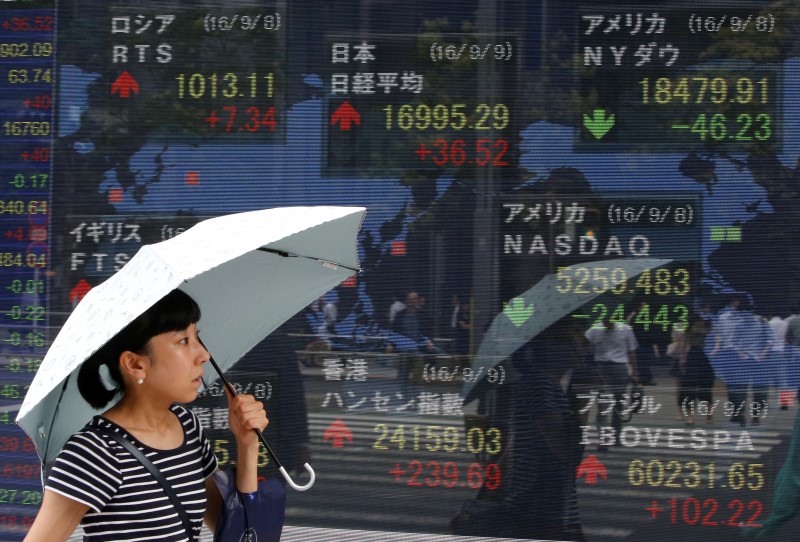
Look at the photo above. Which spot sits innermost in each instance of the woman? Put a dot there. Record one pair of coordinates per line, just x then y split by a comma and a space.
155, 363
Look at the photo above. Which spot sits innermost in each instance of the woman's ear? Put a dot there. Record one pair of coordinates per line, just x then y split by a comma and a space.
134, 365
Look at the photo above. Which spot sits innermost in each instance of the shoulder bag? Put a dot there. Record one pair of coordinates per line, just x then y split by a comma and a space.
244, 518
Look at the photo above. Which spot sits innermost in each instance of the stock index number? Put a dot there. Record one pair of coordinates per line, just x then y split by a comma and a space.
225, 85
615, 280
435, 438
693, 475
666, 316
704, 90
719, 127
447, 117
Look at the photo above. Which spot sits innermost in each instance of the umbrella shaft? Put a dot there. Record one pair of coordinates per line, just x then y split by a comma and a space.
234, 393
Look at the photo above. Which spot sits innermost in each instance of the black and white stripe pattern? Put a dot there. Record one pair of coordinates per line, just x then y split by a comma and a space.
126, 503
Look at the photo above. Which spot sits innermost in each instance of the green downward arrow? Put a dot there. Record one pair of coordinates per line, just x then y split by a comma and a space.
517, 312
598, 123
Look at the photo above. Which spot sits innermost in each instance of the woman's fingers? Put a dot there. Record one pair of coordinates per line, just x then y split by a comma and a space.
248, 411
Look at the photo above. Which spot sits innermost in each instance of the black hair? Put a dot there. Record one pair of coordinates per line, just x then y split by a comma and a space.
173, 312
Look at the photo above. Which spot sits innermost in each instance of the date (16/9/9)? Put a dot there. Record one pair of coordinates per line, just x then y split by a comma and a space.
434, 474
434, 438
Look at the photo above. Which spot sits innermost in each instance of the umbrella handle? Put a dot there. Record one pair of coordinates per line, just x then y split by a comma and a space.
274, 457
296, 486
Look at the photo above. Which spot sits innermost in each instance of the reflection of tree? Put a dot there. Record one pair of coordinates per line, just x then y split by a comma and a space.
549, 93
766, 263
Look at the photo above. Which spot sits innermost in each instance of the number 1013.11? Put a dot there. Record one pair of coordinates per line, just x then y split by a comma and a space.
227, 85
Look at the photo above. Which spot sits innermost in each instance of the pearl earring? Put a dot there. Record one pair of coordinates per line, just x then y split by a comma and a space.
140, 381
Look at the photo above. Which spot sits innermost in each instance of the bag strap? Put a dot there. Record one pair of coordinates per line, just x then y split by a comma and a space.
137, 453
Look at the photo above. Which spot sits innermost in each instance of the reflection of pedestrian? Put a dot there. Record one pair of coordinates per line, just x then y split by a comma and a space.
742, 342
410, 323
155, 363
615, 355
463, 330
652, 341
697, 377
394, 308
331, 314
542, 499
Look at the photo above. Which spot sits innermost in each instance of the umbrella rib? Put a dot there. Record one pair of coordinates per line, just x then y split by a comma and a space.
284, 254
55, 415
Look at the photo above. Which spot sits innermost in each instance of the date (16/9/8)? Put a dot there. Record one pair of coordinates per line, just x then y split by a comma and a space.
435, 438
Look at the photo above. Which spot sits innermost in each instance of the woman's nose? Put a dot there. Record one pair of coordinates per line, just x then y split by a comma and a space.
202, 353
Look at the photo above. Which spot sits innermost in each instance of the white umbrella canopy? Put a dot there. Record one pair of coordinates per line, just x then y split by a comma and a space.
249, 272
544, 304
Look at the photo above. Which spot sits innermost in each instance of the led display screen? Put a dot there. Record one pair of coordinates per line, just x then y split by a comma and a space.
576, 312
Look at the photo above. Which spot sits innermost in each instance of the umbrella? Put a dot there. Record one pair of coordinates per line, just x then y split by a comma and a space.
249, 272
549, 300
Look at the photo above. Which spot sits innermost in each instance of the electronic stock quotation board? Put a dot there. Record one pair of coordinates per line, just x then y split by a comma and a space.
535, 172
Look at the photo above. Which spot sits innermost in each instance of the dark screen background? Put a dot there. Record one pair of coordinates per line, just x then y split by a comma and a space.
529, 168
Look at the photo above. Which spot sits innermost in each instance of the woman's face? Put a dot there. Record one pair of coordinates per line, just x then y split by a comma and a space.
176, 364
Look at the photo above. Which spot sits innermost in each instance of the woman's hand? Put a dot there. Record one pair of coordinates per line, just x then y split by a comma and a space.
245, 413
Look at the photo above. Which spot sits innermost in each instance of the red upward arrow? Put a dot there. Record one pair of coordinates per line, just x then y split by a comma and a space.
124, 85
337, 432
79, 290
345, 115
592, 468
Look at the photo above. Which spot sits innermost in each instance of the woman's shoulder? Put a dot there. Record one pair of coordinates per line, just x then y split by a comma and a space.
189, 421
93, 444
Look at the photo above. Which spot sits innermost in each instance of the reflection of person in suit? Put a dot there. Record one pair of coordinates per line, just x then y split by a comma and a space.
542, 498
697, 375
410, 322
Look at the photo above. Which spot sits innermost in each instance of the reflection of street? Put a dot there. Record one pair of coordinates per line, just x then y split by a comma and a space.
661, 489
356, 489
